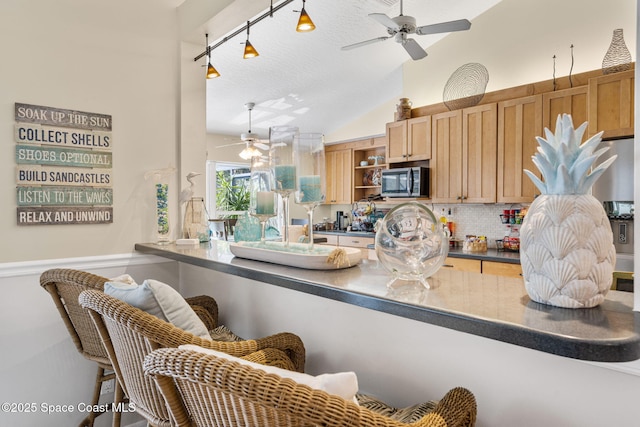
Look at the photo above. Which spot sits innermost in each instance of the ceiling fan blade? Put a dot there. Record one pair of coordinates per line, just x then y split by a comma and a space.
414, 49
261, 145
230, 145
364, 43
385, 20
444, 27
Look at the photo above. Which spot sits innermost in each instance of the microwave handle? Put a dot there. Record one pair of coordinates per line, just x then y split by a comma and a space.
409, 182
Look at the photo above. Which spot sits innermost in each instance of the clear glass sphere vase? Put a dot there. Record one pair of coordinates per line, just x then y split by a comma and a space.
411, 244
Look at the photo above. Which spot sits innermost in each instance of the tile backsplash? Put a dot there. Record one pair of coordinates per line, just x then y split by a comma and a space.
478, 220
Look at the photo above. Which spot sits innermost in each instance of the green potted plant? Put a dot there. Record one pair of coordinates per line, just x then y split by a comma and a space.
231, 197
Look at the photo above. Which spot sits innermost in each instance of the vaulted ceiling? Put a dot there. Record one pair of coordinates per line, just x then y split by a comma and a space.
305, 79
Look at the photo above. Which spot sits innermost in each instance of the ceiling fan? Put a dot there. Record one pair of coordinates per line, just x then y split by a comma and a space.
403, 25
250, 139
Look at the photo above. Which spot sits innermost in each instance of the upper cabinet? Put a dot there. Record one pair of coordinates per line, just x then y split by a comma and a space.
367, 178
611, 110
409, 140
568, 101
519, 122
339, 167
463, 165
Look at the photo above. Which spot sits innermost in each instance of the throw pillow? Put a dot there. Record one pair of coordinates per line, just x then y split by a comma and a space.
343, 384
162, 301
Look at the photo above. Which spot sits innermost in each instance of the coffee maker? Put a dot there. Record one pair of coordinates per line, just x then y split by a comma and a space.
340, 221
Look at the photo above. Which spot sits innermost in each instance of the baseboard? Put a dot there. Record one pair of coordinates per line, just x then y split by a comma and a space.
27, 268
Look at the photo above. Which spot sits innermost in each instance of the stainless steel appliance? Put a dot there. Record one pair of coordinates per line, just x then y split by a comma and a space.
615, 190
405, 182
621, 215
616, 183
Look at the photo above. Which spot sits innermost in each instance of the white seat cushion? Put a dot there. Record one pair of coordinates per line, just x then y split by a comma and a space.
343, 384
159, 299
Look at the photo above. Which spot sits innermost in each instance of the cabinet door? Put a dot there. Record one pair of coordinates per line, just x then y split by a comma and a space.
339, 169
419, 138
570, 101
519, 122
479, 153
446, 157
611, 108
355, 242
501, 269
463, 264
397, 142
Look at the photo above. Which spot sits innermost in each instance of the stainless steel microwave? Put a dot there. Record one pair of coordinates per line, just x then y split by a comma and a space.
405, 182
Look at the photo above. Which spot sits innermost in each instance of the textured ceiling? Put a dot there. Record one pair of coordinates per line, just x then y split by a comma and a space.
305, 79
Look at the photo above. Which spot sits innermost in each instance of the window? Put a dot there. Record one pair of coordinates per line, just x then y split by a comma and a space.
227, 189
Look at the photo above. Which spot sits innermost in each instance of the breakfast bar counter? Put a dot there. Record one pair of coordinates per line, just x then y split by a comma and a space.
488, 306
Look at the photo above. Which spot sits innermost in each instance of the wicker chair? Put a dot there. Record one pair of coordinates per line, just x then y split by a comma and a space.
130, 334
204, 390
64, 286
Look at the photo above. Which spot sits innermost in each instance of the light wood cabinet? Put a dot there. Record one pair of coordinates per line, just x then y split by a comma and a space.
463, 264
464, 155
355, 241
568, 101
519, 122
484, 267
611, 99
501, 269
366, 179
339, 168
409, 140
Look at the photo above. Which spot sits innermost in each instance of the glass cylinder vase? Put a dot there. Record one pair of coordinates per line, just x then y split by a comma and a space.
282, 162
162, 214
308, 149
262, 204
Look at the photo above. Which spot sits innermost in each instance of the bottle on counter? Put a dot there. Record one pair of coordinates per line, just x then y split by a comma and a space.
514, 239
444, 222
451, 224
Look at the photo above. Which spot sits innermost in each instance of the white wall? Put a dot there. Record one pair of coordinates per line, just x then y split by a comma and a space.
405, 362
40, 363
515, 41
114, 57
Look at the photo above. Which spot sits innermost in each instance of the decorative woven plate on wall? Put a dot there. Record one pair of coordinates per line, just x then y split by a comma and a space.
466, 86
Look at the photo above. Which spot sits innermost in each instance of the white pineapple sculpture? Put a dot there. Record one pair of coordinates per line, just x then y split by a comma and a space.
566, 242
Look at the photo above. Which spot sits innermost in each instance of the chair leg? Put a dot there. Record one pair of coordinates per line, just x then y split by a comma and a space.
118, 400
88, 421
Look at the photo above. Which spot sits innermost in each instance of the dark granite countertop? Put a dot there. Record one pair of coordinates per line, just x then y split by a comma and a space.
490, 255
494, 307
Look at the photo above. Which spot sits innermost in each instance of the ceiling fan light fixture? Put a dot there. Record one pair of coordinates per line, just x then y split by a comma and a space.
305, 24
249, 152
249, 50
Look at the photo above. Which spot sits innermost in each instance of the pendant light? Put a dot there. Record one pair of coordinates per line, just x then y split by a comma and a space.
249, 151
212, 73
249, 50
305, 24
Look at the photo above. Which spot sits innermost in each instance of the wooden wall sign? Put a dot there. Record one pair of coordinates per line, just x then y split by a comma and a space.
63, 166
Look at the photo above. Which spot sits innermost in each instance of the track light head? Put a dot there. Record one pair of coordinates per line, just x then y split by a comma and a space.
305, 24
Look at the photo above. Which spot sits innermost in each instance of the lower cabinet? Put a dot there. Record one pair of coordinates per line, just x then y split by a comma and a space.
352, 242
485, 267
463, 264
501, 269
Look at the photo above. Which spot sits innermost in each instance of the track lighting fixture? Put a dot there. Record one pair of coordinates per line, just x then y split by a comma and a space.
305, 24
212, 73
249, 50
